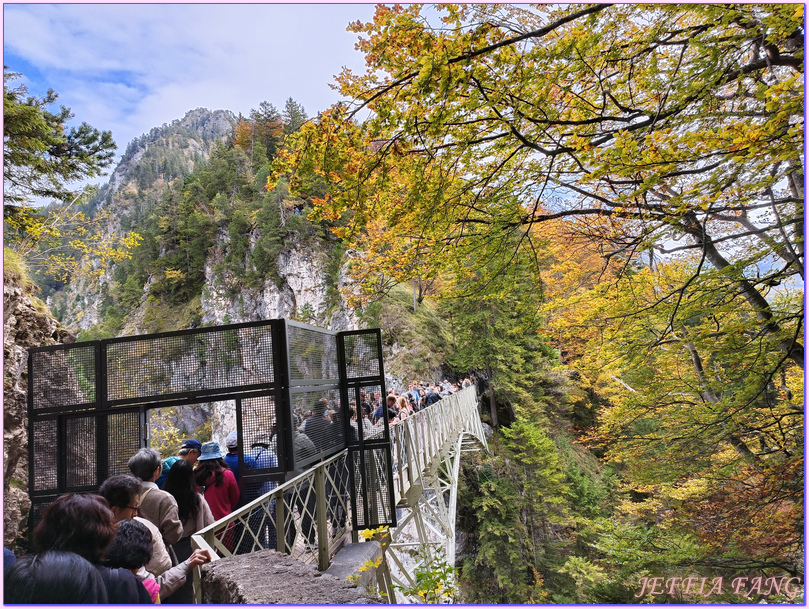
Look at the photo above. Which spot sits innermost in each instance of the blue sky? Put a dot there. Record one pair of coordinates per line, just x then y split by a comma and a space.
130, 67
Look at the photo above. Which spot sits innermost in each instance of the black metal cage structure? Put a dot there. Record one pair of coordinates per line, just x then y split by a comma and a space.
89, 404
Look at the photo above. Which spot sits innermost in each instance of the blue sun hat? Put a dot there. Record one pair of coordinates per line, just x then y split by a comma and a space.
211, 450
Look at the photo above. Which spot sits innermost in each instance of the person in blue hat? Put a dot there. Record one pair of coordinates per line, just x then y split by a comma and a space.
213, 475
190, 450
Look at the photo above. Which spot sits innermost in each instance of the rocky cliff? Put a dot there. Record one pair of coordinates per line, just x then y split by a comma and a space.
158, 160
26, 323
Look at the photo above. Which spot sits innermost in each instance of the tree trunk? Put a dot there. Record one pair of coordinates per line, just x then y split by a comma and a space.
738, 444
492, 402
792, 348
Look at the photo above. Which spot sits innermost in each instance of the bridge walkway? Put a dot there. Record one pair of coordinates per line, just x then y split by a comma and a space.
315, 506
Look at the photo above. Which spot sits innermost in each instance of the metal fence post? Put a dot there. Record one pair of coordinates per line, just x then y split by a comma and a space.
322, 525
280, 523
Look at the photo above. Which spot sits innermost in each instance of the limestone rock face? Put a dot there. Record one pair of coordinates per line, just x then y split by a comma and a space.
272, 578
26, 323
302, 288
151, 163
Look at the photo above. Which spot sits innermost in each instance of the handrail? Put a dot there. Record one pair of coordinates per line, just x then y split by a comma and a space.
421, 438
321, 493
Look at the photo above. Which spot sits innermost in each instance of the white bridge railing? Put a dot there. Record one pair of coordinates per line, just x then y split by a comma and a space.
423, 438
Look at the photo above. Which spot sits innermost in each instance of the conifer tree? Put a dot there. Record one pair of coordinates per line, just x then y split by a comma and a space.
41, 154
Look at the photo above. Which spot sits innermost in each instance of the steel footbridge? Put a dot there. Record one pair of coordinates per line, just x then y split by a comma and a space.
288, 388
426, 451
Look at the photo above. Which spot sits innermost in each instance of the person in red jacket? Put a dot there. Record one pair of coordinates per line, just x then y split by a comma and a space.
216, 481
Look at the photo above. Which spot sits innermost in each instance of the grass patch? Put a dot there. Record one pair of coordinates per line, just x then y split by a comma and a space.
165, 317
424, 335
15, 269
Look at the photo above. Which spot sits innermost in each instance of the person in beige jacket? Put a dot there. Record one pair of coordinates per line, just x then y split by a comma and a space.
157, 506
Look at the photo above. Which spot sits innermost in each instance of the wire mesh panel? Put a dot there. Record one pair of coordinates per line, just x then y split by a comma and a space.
371, 470
80, 454
312, 355
44, 453
373, 488
369, 422
259, 417
143, 368
362, 355
258, 421
319, 419
124, 440
39, 506
63, 377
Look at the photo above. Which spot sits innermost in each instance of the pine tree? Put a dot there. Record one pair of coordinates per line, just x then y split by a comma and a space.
41, 155
294, 116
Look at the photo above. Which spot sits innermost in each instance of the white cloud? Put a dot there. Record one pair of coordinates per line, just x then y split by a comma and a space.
129, 68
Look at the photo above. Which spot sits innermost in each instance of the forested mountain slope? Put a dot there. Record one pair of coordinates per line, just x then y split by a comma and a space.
216, 246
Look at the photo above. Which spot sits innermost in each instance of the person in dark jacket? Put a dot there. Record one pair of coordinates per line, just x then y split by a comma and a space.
83, 525
318, 427
51, 578
432, 397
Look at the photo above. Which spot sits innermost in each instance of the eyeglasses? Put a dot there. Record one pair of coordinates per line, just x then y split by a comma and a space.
134, 507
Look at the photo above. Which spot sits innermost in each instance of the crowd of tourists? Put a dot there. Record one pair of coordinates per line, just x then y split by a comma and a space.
131, 542
399, 405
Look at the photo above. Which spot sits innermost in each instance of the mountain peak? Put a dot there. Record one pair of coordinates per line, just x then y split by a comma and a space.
167, 152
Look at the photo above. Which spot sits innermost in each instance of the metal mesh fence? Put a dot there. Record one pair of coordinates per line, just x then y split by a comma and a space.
362, 355
134, 381
319, 419
63, 377
312, 355
260, 441
80, 453
374, 502
145, 367
367, 426
259, 418
44, 455
38, 508
124, 434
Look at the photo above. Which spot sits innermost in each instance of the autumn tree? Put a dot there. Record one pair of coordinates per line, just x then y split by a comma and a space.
680, 125
43, 158
705, 417
667, 138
